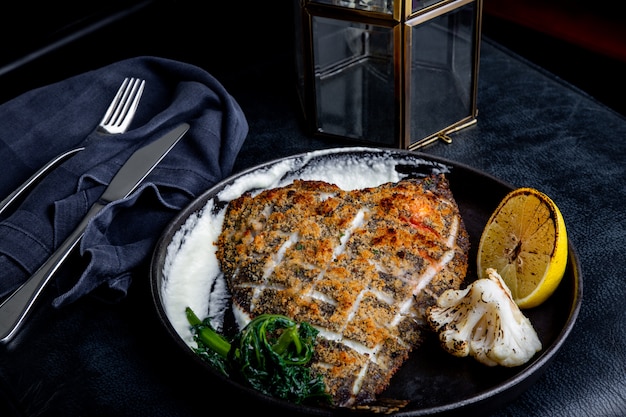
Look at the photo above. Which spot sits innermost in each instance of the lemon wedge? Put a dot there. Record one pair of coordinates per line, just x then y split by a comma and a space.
525, 241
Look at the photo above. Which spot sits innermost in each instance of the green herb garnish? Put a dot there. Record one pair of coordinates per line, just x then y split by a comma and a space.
270, 354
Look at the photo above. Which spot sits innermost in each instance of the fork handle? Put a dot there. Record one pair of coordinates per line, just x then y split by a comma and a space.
16, 307
26, 185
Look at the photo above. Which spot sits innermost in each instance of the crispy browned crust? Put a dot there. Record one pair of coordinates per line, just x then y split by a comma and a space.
360, 265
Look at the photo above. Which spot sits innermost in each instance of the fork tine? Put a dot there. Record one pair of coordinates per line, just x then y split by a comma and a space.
122, 109
114, 104
131, 107
126, 101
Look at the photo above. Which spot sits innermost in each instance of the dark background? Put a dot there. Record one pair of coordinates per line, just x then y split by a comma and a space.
45, 41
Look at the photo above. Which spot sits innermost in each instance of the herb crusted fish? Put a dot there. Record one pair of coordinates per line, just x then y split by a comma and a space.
361, 266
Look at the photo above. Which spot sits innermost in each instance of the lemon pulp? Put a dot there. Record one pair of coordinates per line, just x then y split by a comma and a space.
526, 242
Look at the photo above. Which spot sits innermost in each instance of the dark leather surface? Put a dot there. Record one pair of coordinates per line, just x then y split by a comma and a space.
97, 359
55, 23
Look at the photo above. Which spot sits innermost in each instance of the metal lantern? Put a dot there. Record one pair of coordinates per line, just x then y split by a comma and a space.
395, 73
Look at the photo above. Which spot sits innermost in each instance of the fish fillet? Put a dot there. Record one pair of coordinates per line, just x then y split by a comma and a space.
361, 266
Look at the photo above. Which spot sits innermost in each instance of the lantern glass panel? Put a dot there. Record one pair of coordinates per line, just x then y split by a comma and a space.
354, 79
417, 5
382, 6
442, 53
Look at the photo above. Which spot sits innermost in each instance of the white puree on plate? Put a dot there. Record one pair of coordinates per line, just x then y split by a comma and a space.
191, 271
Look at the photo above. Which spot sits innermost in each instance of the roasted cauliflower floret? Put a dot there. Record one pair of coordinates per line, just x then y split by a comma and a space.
484, 322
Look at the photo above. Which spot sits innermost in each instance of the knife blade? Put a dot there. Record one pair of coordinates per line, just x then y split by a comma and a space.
16, 307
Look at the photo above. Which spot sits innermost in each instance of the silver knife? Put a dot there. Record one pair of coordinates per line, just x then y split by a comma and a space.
16, 307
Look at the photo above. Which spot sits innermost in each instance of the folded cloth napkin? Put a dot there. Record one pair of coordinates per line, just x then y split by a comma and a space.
41, 123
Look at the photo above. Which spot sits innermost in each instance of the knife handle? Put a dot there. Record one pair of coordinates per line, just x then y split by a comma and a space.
16, 307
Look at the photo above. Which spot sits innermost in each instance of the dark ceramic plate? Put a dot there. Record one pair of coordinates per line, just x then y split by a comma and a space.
435, 382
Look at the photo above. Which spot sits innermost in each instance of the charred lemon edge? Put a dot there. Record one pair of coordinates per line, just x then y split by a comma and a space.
555, 268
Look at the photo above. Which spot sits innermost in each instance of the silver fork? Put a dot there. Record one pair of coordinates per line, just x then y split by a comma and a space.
123, 107
116, 120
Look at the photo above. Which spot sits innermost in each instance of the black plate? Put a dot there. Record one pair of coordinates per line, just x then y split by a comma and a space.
435, 382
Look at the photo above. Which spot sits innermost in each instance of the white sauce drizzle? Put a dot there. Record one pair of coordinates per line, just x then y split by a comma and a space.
269, 268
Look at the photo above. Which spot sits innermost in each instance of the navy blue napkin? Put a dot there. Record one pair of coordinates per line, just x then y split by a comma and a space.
43, 122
